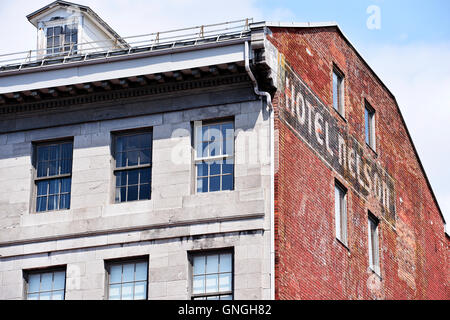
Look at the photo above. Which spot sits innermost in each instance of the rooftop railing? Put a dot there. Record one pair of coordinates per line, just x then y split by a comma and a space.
79, 52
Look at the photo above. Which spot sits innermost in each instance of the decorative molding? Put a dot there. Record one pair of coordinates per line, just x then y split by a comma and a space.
123, 94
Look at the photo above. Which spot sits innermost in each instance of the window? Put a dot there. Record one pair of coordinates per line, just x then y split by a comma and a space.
212, 276
46, 285
133, 166
374, 258
127, 280
341, 212
53, 176
62, 39
338, 92
369, 116
214, 158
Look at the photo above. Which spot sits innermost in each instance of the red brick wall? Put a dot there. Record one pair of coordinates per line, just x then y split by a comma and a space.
310, 262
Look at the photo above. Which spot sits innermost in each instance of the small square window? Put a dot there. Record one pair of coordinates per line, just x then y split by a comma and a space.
46, 284
62, 39
212, 276
127, 280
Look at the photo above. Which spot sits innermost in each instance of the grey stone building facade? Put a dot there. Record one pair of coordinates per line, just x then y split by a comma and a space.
104, 193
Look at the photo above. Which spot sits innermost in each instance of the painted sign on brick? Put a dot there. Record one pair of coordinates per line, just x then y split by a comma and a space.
311, 120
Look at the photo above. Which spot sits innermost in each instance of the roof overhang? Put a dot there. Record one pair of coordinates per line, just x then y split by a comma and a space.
120, 67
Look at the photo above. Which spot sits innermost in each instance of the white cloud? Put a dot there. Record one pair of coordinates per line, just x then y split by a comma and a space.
418, 74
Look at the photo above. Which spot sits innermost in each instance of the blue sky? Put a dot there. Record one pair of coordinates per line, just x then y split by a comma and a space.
410, 51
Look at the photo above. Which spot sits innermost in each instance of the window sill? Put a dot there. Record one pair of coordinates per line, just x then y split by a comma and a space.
372, 149
214, 192
64, 211
339, 114
375, 273
343, 244
130, 202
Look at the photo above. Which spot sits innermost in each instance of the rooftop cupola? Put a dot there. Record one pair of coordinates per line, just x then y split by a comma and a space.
66, 28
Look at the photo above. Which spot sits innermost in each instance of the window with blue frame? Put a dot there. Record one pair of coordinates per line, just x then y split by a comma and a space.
133, 166
214, 156
53, 176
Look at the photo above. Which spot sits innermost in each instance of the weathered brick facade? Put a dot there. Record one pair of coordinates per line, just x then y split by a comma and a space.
310, 262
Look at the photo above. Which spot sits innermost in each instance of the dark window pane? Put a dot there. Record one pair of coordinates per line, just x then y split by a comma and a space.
133, 142
132, 193
215, 168
42, 153
121, 179
49, 31
228, 167
41, 204
228, 147
214, 132
54, 186
42, 170
66, 166
133, 177
64, 201
205, 133
205, 152
202, 169
52, 203
53, 168
120, 144
146, 175
121, 194
144, 192
121, 160
67, 150
228, 131
202, 185
145, 156
215, 148
214, 184
133, 158
49, 43
146, 141
227, 182
42, 188
75, 40
66, 185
